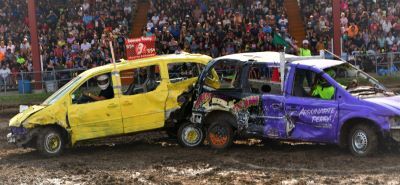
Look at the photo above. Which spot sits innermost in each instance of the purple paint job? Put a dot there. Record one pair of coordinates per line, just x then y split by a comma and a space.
275, 121
322, 120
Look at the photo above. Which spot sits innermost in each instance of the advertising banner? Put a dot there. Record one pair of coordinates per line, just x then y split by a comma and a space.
140, 47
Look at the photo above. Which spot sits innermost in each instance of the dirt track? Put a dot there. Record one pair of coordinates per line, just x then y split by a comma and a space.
163, 162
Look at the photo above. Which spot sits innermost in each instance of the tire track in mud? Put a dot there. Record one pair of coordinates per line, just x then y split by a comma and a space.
389, 169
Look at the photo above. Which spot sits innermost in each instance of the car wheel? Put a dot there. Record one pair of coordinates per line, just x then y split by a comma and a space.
50, 142
220, 133
190, 135
363, 140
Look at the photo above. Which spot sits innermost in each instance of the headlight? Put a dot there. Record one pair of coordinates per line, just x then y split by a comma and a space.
394, 122
18, 130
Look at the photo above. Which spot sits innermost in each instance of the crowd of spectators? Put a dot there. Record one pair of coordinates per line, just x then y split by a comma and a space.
218, 27
368, 27
72, 34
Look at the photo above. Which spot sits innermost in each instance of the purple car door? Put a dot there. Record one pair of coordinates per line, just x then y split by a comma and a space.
274, 116
314, 116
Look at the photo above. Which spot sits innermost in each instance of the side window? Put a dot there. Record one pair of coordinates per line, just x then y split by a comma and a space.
264, 79
97, 88
309, 84
182, 71
140, 80
224, 75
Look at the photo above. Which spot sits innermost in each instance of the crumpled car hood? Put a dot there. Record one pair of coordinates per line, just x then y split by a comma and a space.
391, 103
19, 118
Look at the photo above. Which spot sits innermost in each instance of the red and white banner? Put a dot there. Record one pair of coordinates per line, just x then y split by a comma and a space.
140, 47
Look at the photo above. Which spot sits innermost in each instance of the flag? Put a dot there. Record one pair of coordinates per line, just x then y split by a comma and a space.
278, 40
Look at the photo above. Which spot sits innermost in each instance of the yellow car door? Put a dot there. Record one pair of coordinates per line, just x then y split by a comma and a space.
89, 118
182, 77
144, 94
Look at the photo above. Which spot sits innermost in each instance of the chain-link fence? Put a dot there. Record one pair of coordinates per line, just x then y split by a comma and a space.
380, 63
23, 82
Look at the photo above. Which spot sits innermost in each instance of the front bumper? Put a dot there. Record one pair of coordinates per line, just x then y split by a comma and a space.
20, 136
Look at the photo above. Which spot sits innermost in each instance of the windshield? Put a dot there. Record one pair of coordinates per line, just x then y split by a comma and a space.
357, 82
60, 93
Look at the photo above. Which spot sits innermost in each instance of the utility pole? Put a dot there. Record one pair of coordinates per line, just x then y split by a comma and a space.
34, 44
336, 28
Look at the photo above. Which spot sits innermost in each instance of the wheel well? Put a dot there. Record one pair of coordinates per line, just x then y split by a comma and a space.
212, 115
349, 124
60, 129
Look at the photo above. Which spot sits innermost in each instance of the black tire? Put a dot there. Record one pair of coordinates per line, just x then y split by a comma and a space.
50, 142
220, 132
363, 141
190, 135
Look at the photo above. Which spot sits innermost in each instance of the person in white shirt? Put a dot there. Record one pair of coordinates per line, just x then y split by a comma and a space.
150, 24
3, 48
85, 45
11, 47
155, 19
390, 39
386, 26
4, 75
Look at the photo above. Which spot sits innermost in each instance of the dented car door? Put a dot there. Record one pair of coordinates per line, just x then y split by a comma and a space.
143, 99
93, 119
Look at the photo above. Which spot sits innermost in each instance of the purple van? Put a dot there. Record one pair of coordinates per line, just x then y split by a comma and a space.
317, 100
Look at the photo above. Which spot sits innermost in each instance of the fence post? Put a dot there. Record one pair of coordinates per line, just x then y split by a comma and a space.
376, 65
42, 78
22, 81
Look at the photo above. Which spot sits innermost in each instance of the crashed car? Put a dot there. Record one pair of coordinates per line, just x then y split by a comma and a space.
111, 100
278, 96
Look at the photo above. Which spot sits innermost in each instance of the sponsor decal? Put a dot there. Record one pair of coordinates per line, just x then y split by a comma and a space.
140, 47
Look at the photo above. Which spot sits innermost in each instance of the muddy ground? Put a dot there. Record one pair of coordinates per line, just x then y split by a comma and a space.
162, 161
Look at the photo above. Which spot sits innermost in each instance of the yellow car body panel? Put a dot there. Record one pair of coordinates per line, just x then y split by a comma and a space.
119, 115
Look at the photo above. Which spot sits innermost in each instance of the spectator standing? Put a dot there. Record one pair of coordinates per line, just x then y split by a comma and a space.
305, 50
85, 46
5, 75
3, 48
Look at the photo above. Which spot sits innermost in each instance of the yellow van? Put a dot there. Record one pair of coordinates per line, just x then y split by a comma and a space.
131, 96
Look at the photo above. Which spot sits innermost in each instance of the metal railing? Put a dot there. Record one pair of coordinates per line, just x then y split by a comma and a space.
380, 63
23, 82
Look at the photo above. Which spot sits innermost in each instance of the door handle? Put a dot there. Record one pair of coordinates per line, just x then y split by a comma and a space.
127, 103
292, 107
113, 105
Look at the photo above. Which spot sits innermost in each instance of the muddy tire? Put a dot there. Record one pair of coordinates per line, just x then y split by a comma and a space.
190, 135
220, 133
50, 142
363, 141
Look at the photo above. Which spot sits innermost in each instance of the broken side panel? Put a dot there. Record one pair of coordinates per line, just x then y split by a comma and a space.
275, 124
315, 119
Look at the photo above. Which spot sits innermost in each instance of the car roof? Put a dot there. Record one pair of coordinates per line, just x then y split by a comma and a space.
124, 64
271, 57
318, 63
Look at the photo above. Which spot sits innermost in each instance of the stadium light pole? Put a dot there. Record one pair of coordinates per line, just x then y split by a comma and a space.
336, 28
34, 43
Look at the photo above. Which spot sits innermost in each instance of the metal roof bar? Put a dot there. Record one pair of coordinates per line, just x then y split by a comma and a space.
284, 60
